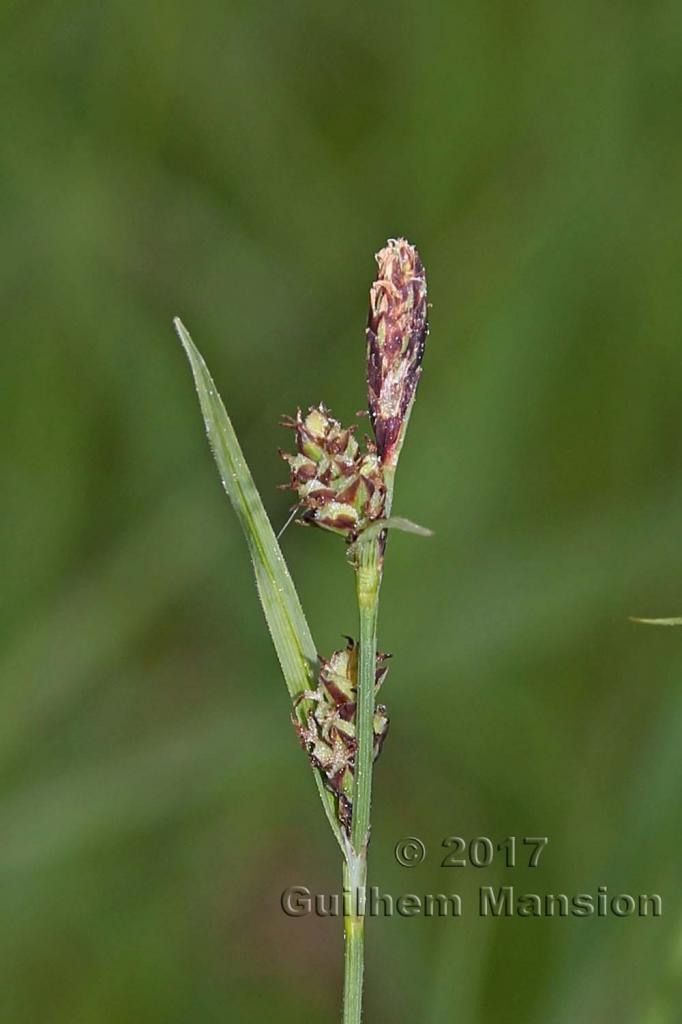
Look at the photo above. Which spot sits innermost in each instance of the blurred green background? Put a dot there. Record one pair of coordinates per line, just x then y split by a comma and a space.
238, 164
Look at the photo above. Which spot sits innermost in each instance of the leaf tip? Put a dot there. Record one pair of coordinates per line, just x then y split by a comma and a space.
656, 622
180, 329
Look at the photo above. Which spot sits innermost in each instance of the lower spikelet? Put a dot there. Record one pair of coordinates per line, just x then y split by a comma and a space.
328, 732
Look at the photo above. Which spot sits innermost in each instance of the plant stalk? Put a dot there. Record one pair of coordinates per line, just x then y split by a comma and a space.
369, 556
368, 581
354, 948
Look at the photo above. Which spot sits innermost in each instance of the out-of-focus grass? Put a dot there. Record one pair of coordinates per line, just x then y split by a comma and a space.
238, 164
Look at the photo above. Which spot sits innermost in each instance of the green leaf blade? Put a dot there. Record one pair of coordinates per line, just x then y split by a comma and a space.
283, 612
657, 622
288, 626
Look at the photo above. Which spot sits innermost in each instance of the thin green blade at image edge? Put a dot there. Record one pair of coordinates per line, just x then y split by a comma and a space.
283, 612
657, 622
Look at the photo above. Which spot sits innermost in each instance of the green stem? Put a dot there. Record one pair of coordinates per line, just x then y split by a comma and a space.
354, 950
368, 582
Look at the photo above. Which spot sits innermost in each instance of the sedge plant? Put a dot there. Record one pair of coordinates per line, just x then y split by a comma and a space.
345, 487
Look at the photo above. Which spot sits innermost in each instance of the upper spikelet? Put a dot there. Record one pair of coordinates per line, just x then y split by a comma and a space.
396, 336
